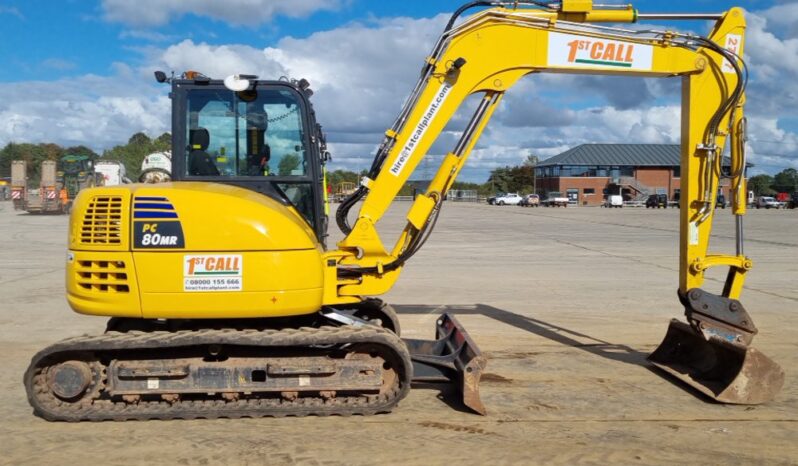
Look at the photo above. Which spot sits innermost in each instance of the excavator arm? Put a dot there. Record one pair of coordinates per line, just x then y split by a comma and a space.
485, 55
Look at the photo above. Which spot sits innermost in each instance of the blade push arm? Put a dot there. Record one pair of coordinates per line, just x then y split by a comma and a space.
487, 54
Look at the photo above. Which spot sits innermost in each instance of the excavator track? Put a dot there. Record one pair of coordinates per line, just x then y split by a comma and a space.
52, 390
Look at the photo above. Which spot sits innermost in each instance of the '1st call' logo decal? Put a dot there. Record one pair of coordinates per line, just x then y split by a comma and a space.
572, 51
213, 272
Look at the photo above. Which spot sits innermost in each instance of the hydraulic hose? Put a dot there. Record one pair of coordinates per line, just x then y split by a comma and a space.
342, 214
415, 245
463, 9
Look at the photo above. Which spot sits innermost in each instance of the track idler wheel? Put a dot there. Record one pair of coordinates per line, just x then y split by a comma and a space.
69, 380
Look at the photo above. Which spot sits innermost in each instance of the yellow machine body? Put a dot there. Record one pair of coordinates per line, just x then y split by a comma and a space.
190, 250
231, 253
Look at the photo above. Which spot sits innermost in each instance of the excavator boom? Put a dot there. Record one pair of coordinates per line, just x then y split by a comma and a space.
485, 55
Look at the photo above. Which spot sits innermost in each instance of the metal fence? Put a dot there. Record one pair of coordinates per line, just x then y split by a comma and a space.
454, 195
462, 195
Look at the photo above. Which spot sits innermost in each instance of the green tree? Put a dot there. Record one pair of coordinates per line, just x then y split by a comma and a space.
138, 146
163, 142
482, 189
288, 164
82, 150
761, 185
532, 160
518, 179
786, 181
499, 180
33, 154
131, 154
334, 178
139, 139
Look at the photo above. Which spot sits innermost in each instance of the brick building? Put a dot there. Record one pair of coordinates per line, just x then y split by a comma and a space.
589, 172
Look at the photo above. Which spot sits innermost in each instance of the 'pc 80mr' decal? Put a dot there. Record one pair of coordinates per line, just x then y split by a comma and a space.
155, 224
158, 235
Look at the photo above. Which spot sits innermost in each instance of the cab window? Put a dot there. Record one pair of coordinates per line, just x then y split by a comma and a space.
249, 133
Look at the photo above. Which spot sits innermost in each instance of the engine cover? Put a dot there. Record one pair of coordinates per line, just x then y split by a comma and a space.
190, 250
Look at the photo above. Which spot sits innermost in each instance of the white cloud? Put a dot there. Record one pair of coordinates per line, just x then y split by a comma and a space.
143, 34
247, 12
362, 73
98, 112
783, 18
770, 145
58, 64
9, 10
217, 61
773, 62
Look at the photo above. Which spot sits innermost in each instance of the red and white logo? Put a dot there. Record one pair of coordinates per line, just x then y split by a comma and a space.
16, 194
50, 194
575, 51
733, 44
213, 273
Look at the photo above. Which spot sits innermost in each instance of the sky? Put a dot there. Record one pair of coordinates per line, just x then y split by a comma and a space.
80, 72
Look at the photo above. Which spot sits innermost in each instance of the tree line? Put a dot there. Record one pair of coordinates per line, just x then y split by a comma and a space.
131, 154
520, 178
515, 179
507, 179
785, 181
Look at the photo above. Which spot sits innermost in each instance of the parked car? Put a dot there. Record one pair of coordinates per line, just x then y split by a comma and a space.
492, 199
508, 199
677, 196
614, 200
655, 201
530, 200
793, 201
767, 202
555, 199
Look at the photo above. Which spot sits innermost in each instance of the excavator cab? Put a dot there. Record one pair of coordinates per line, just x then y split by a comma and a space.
263, 138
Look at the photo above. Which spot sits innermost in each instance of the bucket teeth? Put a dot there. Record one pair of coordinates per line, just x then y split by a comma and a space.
724, 371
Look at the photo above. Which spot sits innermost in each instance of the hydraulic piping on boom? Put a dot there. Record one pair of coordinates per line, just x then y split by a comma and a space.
712, 353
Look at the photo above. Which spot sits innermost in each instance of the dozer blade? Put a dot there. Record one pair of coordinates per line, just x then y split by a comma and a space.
451, 357
720, 369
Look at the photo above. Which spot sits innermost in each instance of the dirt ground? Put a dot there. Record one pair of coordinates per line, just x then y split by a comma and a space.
566, 304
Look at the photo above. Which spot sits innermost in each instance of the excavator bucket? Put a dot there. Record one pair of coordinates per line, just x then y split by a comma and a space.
452, 357
724, 371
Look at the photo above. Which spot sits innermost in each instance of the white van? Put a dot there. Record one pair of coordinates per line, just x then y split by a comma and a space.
113, 172
614, 200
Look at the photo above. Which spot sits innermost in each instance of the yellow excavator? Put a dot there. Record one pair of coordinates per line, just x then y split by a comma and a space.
226, 302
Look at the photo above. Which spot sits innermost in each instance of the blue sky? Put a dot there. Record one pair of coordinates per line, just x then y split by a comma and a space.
78, 71
46, 39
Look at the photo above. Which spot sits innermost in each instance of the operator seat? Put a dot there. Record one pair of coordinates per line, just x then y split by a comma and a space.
199, 162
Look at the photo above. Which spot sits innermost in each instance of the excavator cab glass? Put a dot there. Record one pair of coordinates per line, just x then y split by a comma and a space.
259, 138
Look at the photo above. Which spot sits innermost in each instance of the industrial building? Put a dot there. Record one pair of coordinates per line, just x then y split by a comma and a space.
589, 172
